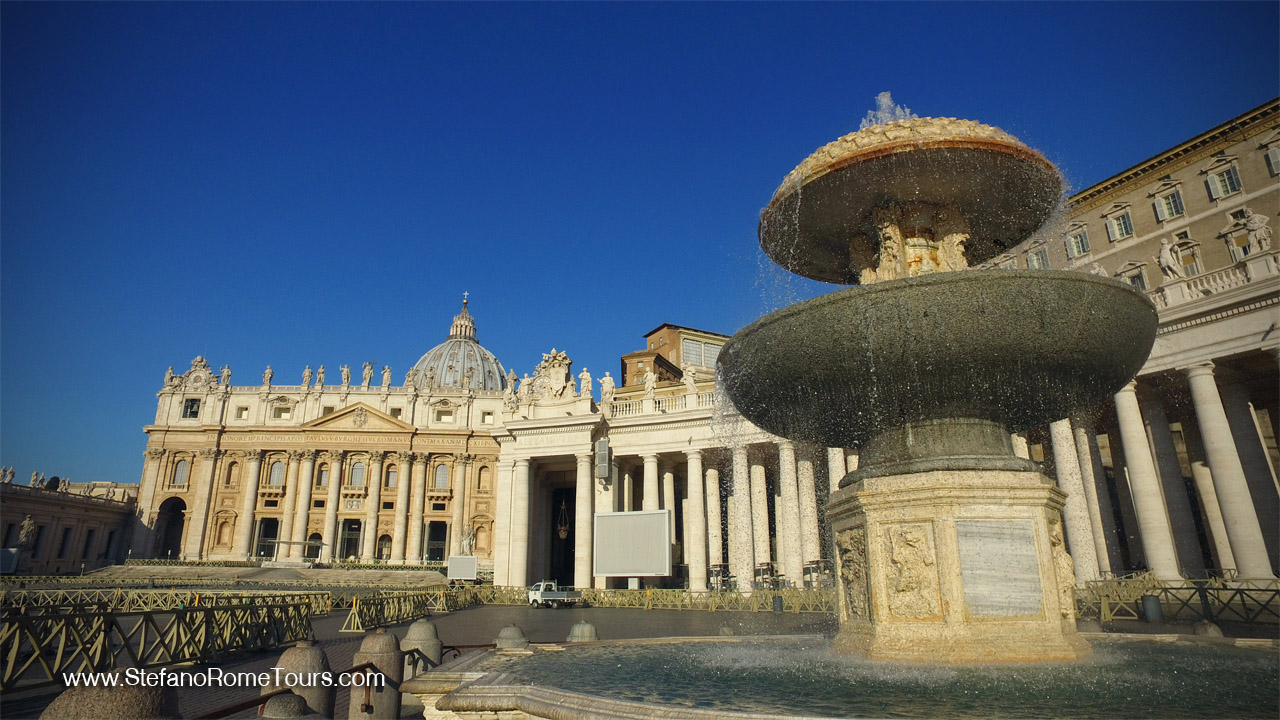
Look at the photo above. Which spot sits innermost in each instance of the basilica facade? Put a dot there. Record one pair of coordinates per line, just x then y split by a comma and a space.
1176, 475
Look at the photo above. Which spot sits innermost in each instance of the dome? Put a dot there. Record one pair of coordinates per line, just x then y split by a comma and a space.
448, 364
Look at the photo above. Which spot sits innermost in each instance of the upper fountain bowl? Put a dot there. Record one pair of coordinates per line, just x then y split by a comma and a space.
820, 221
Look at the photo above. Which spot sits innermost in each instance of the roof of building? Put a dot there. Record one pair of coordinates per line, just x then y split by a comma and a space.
460, 361
683, 327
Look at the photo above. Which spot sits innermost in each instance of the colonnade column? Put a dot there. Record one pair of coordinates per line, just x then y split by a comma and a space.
193, 549
649, 498
628, 490
741, 546
669, 498
290, 505
520, 525
248, 504
1075, 515
606, 501
583, 517
759, 504
788, 527
1157, 540
413, 546
302, 512
330, 539
373, 503
1254, 461
1203, 478
810, 542
715, 538
1177, 504
695, 536
1243, 529
835, 467
400, 527
502, 527
458, 520
1085, 460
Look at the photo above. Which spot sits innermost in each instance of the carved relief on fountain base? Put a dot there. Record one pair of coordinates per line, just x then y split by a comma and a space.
952, 566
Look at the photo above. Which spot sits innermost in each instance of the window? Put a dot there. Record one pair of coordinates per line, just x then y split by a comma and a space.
444, 416
696, 352
62, 544
35, 544
230, 479
1273, 160
1038, 259
242, 412
1224, 183
317, 503
357, 475
437, 507
442, 477
1077, 243
190, 409
1188, 253
276, 476
389, 505
1120, 226
486, 417
270, 503
1239, 246
10, 534
391, 478
1169, 206
282, 412
328, 410
88, 543
395, 413
180, 472
322, 477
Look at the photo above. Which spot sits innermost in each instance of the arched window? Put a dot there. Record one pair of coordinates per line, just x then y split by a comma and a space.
357, 475
482, 482
322, 477
277, 474
384, 547
180, 473
312, 549
391, 477
442, 477
230, 479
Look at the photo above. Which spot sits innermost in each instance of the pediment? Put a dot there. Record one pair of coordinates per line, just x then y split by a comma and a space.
1130, 267
1164, 188
358, 417
1217, 163
1115, 209
1271, 138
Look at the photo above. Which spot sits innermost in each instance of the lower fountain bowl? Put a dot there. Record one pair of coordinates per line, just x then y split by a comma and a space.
1016, 347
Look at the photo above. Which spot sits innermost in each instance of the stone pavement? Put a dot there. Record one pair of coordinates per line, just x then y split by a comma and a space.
470, 626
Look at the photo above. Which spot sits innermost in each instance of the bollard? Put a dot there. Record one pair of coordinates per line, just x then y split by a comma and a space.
285, 706
1151, 609
422, 637
121, 701
1207, 629
370, 702
582, 631
511, 637
300, 669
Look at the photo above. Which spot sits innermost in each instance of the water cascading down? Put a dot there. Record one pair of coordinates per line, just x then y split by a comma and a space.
950, 546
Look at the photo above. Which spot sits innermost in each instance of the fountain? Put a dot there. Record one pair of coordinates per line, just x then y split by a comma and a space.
950, 547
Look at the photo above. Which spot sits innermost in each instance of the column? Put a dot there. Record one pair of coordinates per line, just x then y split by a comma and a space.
143, 541
669, 498
715, 524
606, 502
520, 525
414, 473
1185, 537
695, 523
742, 560
413, 545
193, 548
1086, 459
1254, 461
628, 490
1243, 529
248, 504
583, 519
302, 514
502, 527
649, 500
373, 503
835, 467
759, 502
1075, 515
332, 497
458, 521
1124, 499
1153, 524
810, 539
788, 524
1203, 478
290, 505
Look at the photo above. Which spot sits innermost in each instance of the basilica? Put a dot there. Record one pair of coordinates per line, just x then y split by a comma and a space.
463, 457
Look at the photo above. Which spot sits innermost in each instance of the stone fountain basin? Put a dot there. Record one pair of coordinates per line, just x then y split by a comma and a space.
1017, 347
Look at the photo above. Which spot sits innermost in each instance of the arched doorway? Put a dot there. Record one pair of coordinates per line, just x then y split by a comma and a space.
312, 551
268, 533
349, 542
384, 547
169, 526
437, 533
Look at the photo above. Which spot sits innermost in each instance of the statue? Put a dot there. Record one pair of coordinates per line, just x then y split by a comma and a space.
5, 477
168, 376
584, 383
509, 400
1064, 570
35, 479
690, 382
1168, 261
386, 376
410, 376
306, 377
320, 376
367, 374
429, 378
526, 389
225, 375
468, 541
650, 383
606, 388
1096, 269
1259, 234
346, 375
267, 375
27, 533
467, 377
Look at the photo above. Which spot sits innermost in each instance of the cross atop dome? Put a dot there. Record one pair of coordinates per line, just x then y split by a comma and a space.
463, 326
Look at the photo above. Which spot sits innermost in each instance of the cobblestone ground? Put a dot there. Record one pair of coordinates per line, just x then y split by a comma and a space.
472, 626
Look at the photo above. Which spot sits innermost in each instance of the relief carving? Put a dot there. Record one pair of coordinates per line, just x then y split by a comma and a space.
913, 574
852, 546
1064, 571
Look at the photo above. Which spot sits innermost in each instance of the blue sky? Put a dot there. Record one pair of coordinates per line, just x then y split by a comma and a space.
318, 183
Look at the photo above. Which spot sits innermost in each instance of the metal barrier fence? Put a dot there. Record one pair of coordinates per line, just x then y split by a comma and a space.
796, 600
1214, 599
131, 600
390, 608
37, 649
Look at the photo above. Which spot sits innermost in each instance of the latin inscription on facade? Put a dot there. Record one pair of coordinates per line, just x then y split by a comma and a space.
999, 568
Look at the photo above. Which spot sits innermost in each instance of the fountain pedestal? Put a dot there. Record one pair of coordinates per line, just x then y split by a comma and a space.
954, 566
